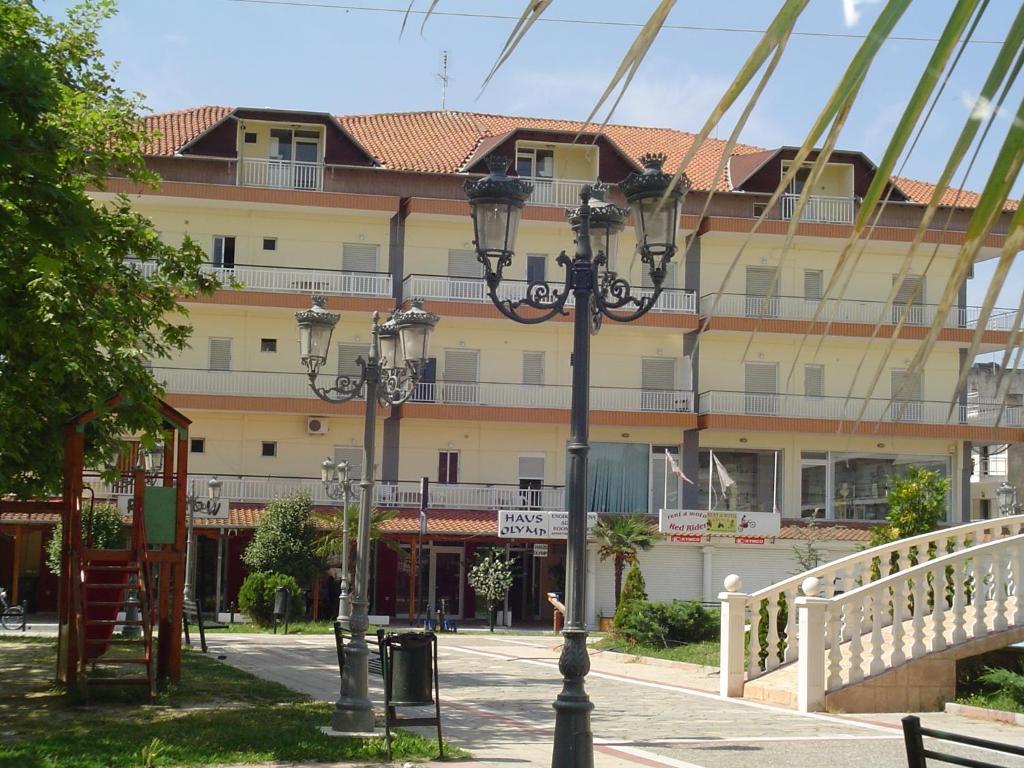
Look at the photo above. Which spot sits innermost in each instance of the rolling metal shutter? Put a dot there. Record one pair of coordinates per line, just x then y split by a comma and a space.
531, 467
533, 368
813, 284
354, 456
461, 367
347, 354
907, 393
761, 287
814, 380
658, 382
761, 385
912, 285
220, 354
463, 263
359, 257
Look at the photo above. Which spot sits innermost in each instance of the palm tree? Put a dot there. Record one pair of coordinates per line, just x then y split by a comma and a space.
622, 537
330, 541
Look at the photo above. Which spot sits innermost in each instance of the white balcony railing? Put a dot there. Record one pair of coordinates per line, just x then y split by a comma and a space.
280, 174
271, 384
841, 408
250, 489
274, 280
556, 193
848, 311
819, 208
443, 288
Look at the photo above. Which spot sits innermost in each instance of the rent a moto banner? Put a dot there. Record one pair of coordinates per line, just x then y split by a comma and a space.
693, 522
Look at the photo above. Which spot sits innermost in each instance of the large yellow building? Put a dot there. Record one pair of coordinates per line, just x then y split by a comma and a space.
370, 211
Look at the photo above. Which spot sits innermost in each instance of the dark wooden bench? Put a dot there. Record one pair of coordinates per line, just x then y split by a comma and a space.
373, 662
918, 756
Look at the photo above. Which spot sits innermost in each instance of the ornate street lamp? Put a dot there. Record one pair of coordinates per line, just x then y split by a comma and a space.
388, 376
207, 508
338, 486
153, 461
1007, 495
497, 201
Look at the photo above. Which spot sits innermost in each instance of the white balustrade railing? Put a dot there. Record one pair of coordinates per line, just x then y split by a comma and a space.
280, 174
274, 280
275, 384
933, 605
771, 611
847, 311
820, 208
874, 409
556, 193
405, 494
442, 288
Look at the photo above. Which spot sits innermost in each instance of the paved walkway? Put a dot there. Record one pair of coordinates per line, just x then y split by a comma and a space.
496, 695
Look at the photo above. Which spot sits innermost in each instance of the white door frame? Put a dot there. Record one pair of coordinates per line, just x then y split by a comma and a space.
432, 579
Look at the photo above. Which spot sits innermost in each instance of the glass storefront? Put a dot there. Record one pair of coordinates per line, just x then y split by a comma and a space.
854, 486
743, 481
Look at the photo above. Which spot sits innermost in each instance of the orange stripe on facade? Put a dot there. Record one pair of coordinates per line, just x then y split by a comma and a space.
446, 207
546, 415
866, 428
777, 325
202, 191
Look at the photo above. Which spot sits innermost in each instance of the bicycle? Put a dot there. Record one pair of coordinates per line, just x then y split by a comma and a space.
11, 616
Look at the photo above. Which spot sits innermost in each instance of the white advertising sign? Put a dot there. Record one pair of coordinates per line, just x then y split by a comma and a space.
695, 522
540, 550
523, 524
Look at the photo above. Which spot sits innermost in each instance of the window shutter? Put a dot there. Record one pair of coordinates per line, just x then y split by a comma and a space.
347, 354
813, 284
220, 354
658, 373
354, 456
814, 380
461, 365
670, 276
760, 281
906, 387
533, 368
463, 263
761, 378
531, 467
359, 257
908, 288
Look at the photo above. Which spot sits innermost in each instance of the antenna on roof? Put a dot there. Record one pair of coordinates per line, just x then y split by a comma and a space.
444, 78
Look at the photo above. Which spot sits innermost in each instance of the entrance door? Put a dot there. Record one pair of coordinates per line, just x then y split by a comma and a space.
446, 581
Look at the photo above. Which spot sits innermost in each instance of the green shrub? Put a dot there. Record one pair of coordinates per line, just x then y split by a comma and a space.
102, 528
285, 540
256, 597
634, 588
1007, 682
643, 622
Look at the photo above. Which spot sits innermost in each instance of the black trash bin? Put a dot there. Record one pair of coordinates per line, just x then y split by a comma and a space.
411, 669
282, 607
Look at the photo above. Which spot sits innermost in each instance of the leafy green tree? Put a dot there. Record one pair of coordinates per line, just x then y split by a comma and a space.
76, 324
285, 539
102, 528
621, 537
917, 504
491, 579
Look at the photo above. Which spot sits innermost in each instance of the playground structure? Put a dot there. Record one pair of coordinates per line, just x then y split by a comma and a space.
139, 588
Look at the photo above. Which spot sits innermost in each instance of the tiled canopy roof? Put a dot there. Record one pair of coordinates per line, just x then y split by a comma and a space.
442, 141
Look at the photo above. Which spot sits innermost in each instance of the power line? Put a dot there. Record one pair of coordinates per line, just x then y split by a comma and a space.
591, 22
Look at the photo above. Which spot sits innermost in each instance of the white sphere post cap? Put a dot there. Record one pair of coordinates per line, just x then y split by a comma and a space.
811, 586
733, 583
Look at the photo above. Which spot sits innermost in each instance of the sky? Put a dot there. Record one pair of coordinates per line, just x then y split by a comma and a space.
347, 57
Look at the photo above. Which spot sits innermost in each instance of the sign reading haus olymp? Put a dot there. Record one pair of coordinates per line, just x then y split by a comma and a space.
692, 525
533, 524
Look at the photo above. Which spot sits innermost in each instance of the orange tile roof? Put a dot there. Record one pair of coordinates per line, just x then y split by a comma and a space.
797, 531
442, 141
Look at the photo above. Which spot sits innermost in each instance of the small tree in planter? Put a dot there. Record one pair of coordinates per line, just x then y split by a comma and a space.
491, 580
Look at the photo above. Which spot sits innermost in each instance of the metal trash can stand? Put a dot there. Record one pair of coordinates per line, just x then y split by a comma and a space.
409, 666
282, 607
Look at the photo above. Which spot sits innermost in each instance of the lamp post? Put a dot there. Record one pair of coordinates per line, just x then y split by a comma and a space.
1007, 495
389, 374
210, 507
338, 485
497, 201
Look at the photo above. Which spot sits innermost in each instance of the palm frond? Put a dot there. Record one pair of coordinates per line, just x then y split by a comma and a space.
533, 11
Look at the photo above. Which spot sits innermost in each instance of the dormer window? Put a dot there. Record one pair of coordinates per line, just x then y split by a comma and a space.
831, 200
535, 163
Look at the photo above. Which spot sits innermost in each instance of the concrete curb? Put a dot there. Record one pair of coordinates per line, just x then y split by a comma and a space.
983, 713
632, 658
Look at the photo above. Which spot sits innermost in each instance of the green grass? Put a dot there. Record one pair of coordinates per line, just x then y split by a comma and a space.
295, 628
217, 715
705, 654
997, 700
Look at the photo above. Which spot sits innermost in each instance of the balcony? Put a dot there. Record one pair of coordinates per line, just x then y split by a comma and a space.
280, 174
848, 311
260, 490
275, 280
821, 209
468, 289
874, 410
556, 193
272, 384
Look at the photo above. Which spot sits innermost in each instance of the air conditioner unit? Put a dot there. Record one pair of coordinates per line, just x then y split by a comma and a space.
316, 425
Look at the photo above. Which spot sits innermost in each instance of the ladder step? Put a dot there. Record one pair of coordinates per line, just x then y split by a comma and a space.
118, 681
113, 662
109, 622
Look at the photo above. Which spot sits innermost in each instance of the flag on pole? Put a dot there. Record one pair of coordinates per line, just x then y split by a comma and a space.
675, 468
723, 477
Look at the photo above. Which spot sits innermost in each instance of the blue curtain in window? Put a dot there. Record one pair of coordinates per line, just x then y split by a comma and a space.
618, 477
